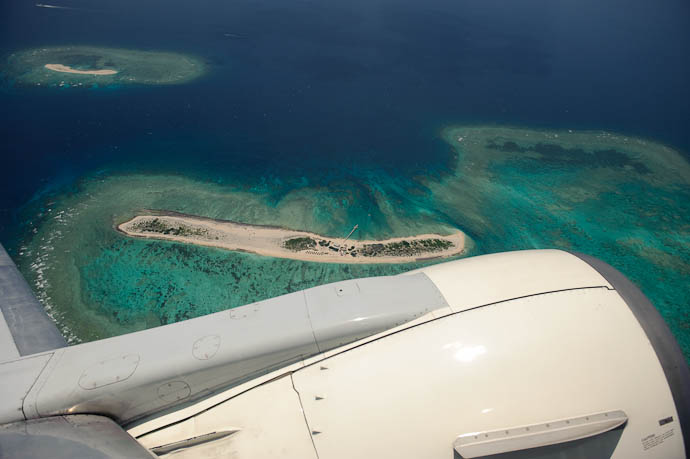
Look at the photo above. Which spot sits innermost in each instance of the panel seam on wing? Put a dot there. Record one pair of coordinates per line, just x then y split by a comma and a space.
306, 421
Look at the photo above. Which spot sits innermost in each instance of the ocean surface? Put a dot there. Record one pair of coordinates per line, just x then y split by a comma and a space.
322, 115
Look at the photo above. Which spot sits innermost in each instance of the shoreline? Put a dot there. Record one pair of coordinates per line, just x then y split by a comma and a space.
277, 242
67, 69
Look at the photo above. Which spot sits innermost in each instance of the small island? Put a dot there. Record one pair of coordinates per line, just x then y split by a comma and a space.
91, 67
279, 242
67, 69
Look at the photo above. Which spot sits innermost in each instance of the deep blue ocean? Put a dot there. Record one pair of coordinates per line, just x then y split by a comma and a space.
367, 83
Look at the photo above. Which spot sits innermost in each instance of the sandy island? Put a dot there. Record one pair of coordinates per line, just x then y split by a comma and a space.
285, 243
66, 69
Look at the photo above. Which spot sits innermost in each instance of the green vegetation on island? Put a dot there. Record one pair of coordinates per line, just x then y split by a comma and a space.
404, 248
90, 66
300, 243
157, 226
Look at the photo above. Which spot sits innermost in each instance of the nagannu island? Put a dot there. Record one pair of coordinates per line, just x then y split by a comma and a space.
90, 66
279, 242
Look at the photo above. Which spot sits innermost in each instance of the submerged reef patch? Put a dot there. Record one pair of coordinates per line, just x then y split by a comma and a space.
90, 66
553, 154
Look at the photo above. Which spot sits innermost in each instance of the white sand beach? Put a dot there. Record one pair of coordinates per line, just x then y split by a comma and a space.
305, 246
66, 69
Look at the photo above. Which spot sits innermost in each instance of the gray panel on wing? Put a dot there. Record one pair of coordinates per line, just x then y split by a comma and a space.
346, 311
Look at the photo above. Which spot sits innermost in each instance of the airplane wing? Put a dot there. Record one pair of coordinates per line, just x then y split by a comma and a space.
516, 354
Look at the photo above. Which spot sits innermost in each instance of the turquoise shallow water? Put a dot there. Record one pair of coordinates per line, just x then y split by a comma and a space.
178, 282
624, 200
96, 282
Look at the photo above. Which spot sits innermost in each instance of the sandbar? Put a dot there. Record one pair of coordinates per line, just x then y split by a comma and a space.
66, 69
280, 242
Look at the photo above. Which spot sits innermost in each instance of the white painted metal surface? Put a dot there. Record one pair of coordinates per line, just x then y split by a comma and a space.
517, 363
551, 356
476, 346
477, 281
267, 423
